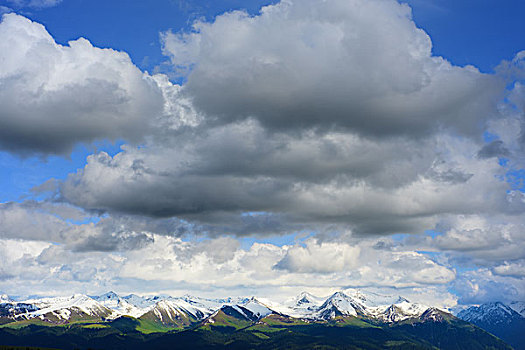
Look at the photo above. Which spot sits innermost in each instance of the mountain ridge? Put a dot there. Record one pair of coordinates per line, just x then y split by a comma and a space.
499, 319
305, 321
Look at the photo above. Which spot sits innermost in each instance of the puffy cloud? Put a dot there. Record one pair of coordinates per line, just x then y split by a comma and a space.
481, 286
320, 258
362, 65
219, 267
514, 269
484, 240
55, 96
251, 130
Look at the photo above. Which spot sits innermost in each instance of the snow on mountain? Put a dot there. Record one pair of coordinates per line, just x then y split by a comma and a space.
339, 304
157, 306
11, 309
305, 301
371, 299
500, 320
302, 306
248, 310
64, 308
196, 307
518, 306
141, 302
208, 305
182, 311
258, 309
385, 308
121, 306
433, 314
170, 311
490, 313
400, 311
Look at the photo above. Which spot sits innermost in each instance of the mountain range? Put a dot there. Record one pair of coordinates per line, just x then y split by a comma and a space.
505, 321
352, 320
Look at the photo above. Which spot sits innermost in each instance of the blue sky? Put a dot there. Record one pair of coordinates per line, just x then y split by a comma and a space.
308, 140
465, 32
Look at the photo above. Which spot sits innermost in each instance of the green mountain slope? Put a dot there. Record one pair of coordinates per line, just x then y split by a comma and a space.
234, 328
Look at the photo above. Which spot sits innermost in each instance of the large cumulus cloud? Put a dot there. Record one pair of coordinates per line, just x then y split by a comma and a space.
53, 96
317, 113
362, 65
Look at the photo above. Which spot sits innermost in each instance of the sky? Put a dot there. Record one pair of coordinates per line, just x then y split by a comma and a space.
263, 148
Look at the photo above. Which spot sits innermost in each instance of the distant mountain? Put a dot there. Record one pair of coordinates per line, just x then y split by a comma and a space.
499, 319
112, 321
55, 310
131, 305
237, 316
518, 306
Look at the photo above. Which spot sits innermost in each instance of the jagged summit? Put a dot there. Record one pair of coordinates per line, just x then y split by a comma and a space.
340, 304
495, 312
518, 306
500, 319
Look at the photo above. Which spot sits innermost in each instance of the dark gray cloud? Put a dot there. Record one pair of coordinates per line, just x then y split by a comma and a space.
494, 149
385, 198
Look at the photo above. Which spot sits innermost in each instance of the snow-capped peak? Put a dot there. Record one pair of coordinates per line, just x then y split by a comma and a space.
120, 305
400, 299
192, 309
108, 296
257, 308
493, 313
63, 308
340, 304
518, 306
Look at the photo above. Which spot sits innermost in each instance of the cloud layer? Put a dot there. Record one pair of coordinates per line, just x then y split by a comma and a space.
326, 120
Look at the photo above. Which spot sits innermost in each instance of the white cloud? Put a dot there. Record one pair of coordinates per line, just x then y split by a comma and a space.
485, 240
219, 267
481, 286
53, 97
320, 258
362, 65
514, 269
